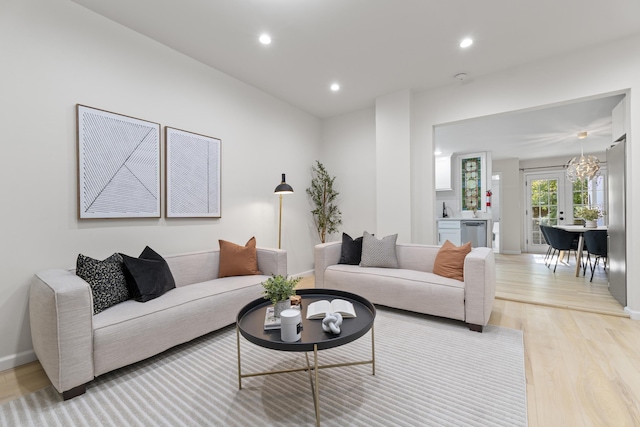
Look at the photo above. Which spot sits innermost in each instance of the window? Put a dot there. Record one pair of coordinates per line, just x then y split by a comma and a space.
589, 193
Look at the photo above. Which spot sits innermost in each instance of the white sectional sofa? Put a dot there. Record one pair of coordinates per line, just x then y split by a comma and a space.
74, 345
413, 286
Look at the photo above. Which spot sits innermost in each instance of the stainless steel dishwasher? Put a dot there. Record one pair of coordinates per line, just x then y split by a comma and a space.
474, 231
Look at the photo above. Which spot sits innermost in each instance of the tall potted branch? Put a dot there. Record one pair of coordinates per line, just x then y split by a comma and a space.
326, 214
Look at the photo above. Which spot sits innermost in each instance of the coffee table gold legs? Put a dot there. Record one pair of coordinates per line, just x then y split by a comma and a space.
239, 366
313, 377
373, 353
317, 389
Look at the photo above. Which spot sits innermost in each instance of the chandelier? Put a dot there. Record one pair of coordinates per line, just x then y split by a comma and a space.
583, 167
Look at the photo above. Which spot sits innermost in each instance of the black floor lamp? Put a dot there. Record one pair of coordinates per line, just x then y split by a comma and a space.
281, 189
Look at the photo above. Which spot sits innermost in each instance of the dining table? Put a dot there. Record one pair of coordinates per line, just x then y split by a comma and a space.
579, 229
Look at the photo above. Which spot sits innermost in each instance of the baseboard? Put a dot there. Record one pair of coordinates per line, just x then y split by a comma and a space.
305, 273
14, 360
634, 314
511, 252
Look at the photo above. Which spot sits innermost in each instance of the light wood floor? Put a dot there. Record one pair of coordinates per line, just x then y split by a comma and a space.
581, 365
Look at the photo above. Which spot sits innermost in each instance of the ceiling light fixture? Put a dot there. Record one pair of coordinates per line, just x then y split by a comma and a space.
466, 42
335, 87
265, 39
585, 167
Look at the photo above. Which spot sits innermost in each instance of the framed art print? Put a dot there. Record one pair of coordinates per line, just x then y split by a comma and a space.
193, 175
118, 165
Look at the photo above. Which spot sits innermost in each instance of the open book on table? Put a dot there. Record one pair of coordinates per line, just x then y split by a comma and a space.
319, 309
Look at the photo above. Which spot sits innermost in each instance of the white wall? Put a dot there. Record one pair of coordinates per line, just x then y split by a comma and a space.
511, 205
393, 156
348, 153
57, 54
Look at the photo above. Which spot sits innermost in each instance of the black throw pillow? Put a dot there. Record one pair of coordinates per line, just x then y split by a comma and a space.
106, 279
351, 250
148, 276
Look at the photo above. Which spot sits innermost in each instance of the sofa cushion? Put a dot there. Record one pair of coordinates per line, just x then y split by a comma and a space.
450, 260
130, 332
351, 252
148, 276
106, 279
236, 260
412, 290
379, 252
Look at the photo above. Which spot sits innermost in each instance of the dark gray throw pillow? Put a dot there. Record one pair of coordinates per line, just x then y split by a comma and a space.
351, 251
106, 279
148, 276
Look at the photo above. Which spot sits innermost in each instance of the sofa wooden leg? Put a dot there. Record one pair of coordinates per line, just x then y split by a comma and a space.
475, 328
74, 392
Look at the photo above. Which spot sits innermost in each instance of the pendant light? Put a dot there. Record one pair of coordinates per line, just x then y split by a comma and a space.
583, 167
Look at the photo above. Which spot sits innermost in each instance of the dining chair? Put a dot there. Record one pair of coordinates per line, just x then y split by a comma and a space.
560, 241
543, 230
596, 241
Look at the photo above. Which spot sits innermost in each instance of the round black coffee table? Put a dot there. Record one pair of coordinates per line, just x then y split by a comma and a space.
250, 324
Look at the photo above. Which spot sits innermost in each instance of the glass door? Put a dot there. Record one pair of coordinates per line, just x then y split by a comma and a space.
545, 205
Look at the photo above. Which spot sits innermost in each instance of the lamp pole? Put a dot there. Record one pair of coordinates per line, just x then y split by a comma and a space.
281, 189
280, 225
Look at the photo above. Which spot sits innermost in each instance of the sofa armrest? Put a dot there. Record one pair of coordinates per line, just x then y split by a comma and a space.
61, 316
325, 254
480, 285
272, 261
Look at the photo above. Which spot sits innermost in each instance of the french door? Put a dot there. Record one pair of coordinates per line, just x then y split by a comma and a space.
545, 204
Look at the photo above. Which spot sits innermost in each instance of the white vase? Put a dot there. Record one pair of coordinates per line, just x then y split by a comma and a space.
281, 306
590, 224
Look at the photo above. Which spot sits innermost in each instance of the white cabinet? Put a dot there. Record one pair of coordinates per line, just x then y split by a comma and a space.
449, 230
443, 173
618, 121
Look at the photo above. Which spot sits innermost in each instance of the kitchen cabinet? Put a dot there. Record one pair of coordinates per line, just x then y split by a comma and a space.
460, 231
443, 173
449, 230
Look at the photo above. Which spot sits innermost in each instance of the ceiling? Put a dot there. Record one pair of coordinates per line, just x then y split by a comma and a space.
539, 133
375, 47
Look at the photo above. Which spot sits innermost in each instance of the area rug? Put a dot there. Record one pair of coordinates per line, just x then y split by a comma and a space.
429, 372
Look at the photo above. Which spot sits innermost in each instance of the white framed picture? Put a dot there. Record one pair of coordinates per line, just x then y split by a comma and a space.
118, 165
193, 164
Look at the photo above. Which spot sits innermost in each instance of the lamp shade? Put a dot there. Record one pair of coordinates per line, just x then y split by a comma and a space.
283, 187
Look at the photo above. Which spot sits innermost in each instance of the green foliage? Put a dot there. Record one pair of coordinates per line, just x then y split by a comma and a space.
279, 288
326, 214
588, 213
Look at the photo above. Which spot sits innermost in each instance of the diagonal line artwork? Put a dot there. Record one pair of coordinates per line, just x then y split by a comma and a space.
120, 159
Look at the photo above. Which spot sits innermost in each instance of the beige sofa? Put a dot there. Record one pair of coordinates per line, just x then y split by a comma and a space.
413, 286
74, 346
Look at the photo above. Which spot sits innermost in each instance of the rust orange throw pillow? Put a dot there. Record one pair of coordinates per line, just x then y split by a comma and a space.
236, 260
450, 260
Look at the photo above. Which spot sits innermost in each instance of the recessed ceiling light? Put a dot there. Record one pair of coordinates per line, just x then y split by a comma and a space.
335, 87
437, 153
265, 39
466, 42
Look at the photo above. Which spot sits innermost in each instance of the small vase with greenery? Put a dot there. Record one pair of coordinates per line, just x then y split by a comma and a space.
326, 214
278, 289
590, 214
